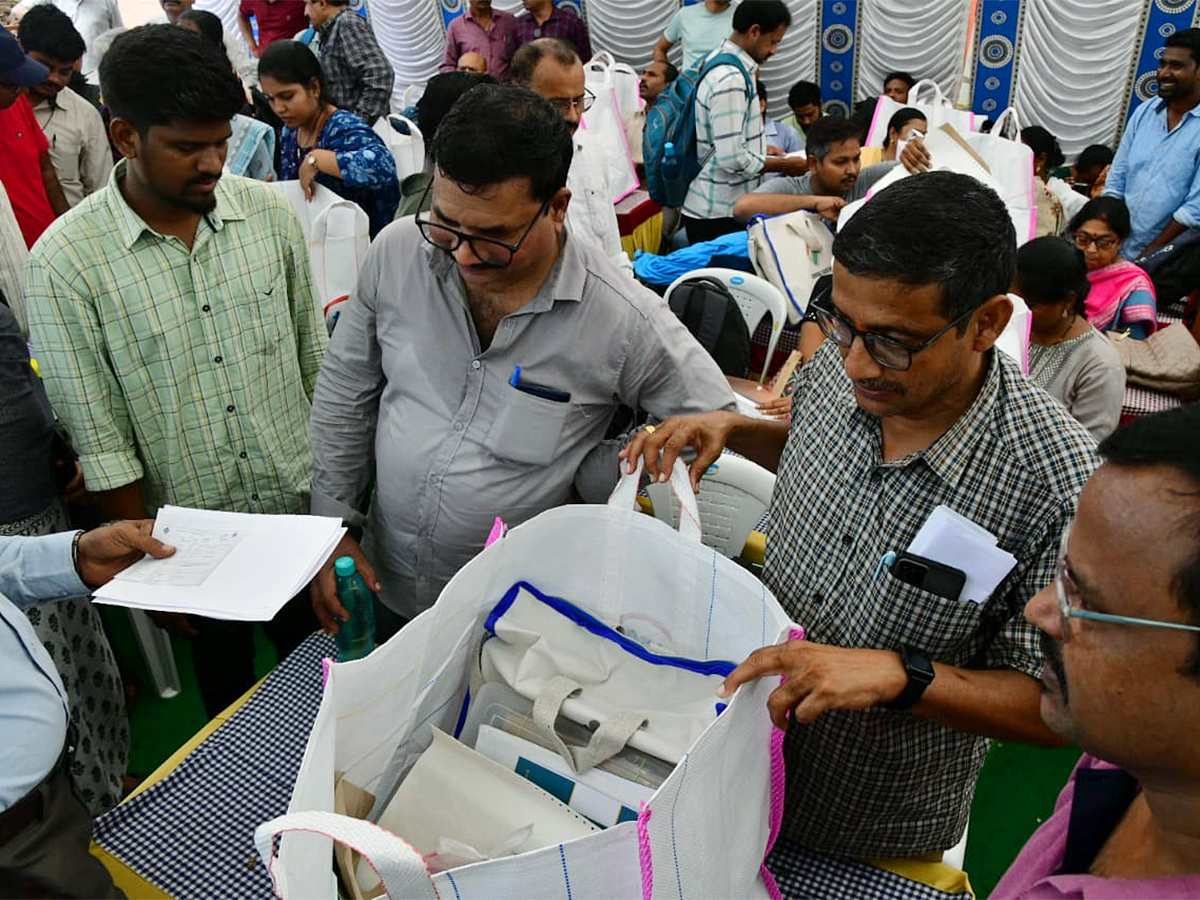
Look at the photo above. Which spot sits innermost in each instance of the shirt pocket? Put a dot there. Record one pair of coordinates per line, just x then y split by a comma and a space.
528, 427
948, 631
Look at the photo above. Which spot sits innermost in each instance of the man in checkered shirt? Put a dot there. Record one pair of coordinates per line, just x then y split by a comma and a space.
907, 406
358, 77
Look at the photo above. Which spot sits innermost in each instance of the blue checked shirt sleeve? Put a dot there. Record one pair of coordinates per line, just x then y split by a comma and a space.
83, 389
727, 112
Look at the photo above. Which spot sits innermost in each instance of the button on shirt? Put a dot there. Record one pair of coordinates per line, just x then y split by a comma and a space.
33, 701
878, 782
1157, 173
79, 146
466, 35
454, 443
144, 344
729, 135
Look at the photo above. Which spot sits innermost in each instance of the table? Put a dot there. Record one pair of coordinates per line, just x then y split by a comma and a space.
188, 831
640, 222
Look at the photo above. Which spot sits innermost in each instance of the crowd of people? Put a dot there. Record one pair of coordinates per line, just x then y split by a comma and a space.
163, 343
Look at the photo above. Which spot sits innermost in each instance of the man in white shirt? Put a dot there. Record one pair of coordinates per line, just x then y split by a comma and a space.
44, 829
91, 18
79, 147
552, 69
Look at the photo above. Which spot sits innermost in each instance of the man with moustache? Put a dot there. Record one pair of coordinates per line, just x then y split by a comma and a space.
478, 366
1120, 628
176, 326
906, 407
652, 82
492, 33
553, 70
835, 177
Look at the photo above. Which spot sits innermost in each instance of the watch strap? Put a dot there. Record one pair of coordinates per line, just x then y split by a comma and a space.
920, 673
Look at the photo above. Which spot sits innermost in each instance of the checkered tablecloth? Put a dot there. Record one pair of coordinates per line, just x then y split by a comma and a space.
804, 873
192, 833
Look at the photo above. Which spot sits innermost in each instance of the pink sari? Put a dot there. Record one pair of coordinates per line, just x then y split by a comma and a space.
1114, 284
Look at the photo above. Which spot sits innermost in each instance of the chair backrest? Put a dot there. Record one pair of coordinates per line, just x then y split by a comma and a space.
754, 296
404, 139
734, 496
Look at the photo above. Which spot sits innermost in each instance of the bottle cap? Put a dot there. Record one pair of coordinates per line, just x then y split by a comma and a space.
344, 566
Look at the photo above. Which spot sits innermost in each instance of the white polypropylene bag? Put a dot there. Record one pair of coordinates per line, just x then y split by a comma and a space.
338, 234
937, 111
706, 830
791, 251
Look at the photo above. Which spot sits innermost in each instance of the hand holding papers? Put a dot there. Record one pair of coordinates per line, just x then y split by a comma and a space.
227, 565
954, 540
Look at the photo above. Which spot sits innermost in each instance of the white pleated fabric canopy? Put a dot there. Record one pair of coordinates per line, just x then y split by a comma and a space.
1074, 58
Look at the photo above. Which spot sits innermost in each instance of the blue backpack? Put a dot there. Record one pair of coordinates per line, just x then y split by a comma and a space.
672, 120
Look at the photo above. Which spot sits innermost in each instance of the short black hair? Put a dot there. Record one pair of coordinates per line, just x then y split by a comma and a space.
441, 94
768, 15
209, 24
1048, 269
1043, 143
670, 73
804, 93
1094, 155
899, 76
966, 242
496, 132
822, 134
291, 62
899, 119
1107, 209
1169, 439
48, 30
158, 74
1188, 39
525, 61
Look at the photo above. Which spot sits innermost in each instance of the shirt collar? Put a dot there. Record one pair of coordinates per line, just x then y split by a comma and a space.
1160, 106
748, 63
130, 226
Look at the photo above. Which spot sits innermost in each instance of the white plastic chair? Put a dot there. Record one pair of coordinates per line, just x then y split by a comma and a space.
408, 149
734, 495
754, 297
155, 645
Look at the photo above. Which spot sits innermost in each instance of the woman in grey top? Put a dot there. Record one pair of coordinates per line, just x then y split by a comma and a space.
1068, 357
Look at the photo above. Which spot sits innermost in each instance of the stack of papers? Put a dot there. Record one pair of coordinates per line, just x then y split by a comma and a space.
226, 565
954, 540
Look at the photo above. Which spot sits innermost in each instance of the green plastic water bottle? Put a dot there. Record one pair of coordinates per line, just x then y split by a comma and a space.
356, 637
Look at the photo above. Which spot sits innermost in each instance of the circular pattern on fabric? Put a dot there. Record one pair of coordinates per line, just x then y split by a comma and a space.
1166, 29
992, 83
835, 85
1158, 54
453, 7
996, 51
573, 5
1146, 86
839, 9
1173, 6
999, 17
836, 67
837, 108
989, 106
838, 38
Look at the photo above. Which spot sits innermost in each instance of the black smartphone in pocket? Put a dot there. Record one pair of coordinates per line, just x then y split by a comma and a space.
929, 575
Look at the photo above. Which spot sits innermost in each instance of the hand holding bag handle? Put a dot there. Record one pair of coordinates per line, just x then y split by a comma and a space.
624, 496
401, 868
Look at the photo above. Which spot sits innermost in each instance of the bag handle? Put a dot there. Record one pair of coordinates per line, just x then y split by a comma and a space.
624, 496
939, 99
400, 868
1008, 117
601, 60
608, 740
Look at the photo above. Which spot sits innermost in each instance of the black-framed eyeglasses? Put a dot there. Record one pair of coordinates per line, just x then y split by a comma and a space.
490, 252
887, 351
1082, 240
582, 103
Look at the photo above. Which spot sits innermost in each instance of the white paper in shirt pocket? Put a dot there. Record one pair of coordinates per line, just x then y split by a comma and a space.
954, 540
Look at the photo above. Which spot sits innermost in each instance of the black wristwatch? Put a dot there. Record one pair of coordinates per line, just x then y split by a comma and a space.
920, 672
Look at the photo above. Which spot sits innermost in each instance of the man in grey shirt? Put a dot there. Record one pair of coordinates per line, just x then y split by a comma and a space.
835, 176
481, 358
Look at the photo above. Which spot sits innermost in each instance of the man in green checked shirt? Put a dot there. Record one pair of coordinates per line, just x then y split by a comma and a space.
176, 327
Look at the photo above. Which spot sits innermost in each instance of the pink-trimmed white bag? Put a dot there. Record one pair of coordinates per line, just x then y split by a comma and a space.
704, 832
